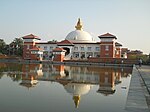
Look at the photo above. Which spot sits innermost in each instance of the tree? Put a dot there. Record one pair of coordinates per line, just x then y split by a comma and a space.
148, 62
51, 41
6, 49
2, 46
16, 47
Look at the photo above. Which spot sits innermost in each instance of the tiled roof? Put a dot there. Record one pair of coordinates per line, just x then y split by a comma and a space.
58, 49
86, 43
107, 35
65, 42
31, 36
46, 42
118, 44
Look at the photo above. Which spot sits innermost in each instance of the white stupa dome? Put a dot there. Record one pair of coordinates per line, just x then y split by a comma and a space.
77, 89
79, 35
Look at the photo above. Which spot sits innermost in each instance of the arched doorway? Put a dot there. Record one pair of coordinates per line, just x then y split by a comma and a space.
67, 50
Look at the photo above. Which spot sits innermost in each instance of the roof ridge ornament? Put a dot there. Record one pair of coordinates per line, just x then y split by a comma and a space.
79, 25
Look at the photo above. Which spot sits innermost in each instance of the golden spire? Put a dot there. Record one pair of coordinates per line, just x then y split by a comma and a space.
79, 25
76, 100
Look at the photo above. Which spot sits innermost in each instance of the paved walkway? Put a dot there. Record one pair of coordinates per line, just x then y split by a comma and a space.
145, 75
138, 99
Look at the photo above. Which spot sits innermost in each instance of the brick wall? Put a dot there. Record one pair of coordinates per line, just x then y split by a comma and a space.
109, 52
59, 58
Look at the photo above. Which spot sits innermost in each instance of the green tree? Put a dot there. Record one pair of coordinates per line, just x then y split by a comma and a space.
51, 41
6, 49
16, 47
148, 62
2, 46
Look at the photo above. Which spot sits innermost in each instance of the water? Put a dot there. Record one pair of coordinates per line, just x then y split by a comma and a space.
55, 88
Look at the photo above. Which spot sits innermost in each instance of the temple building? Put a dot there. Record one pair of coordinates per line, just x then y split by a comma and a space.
78, 44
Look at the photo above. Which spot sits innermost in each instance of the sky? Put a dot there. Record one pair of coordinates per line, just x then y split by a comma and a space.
128, 20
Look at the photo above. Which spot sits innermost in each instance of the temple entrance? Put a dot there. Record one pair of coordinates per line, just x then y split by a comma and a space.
67, 50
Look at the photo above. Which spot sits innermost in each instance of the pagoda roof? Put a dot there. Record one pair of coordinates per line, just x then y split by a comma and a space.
118, 44
31, 36
65, 42
107, 35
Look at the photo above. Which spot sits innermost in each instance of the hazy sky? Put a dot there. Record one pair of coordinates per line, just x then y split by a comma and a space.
129, 20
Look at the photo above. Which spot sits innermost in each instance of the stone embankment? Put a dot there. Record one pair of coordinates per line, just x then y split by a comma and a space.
73, 62
138, 99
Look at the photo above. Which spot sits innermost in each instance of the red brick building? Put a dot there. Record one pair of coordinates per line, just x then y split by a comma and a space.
30, 51
109, 47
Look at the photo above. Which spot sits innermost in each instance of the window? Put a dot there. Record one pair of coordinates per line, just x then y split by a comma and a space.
75, 54
45, 47
34, 52
45, 52
75, 48
89, 48
97, 48
51, 48
96, 54
89, 54
82, 48
106, 48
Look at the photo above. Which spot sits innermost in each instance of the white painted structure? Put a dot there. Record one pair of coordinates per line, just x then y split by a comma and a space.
79, 44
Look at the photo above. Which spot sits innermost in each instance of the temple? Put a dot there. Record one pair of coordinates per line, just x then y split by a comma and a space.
78, 44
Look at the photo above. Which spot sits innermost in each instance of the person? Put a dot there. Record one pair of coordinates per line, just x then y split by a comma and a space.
140, 62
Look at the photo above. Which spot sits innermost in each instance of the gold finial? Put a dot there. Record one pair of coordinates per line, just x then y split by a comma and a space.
76, 100
79, 25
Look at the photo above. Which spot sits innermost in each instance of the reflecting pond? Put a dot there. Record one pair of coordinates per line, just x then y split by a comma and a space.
59, 88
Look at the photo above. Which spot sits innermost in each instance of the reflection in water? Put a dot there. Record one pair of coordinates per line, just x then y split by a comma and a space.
30, 73
77, 81
76, 90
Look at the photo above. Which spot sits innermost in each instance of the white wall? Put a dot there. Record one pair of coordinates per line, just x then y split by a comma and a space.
84, 48
79, 50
